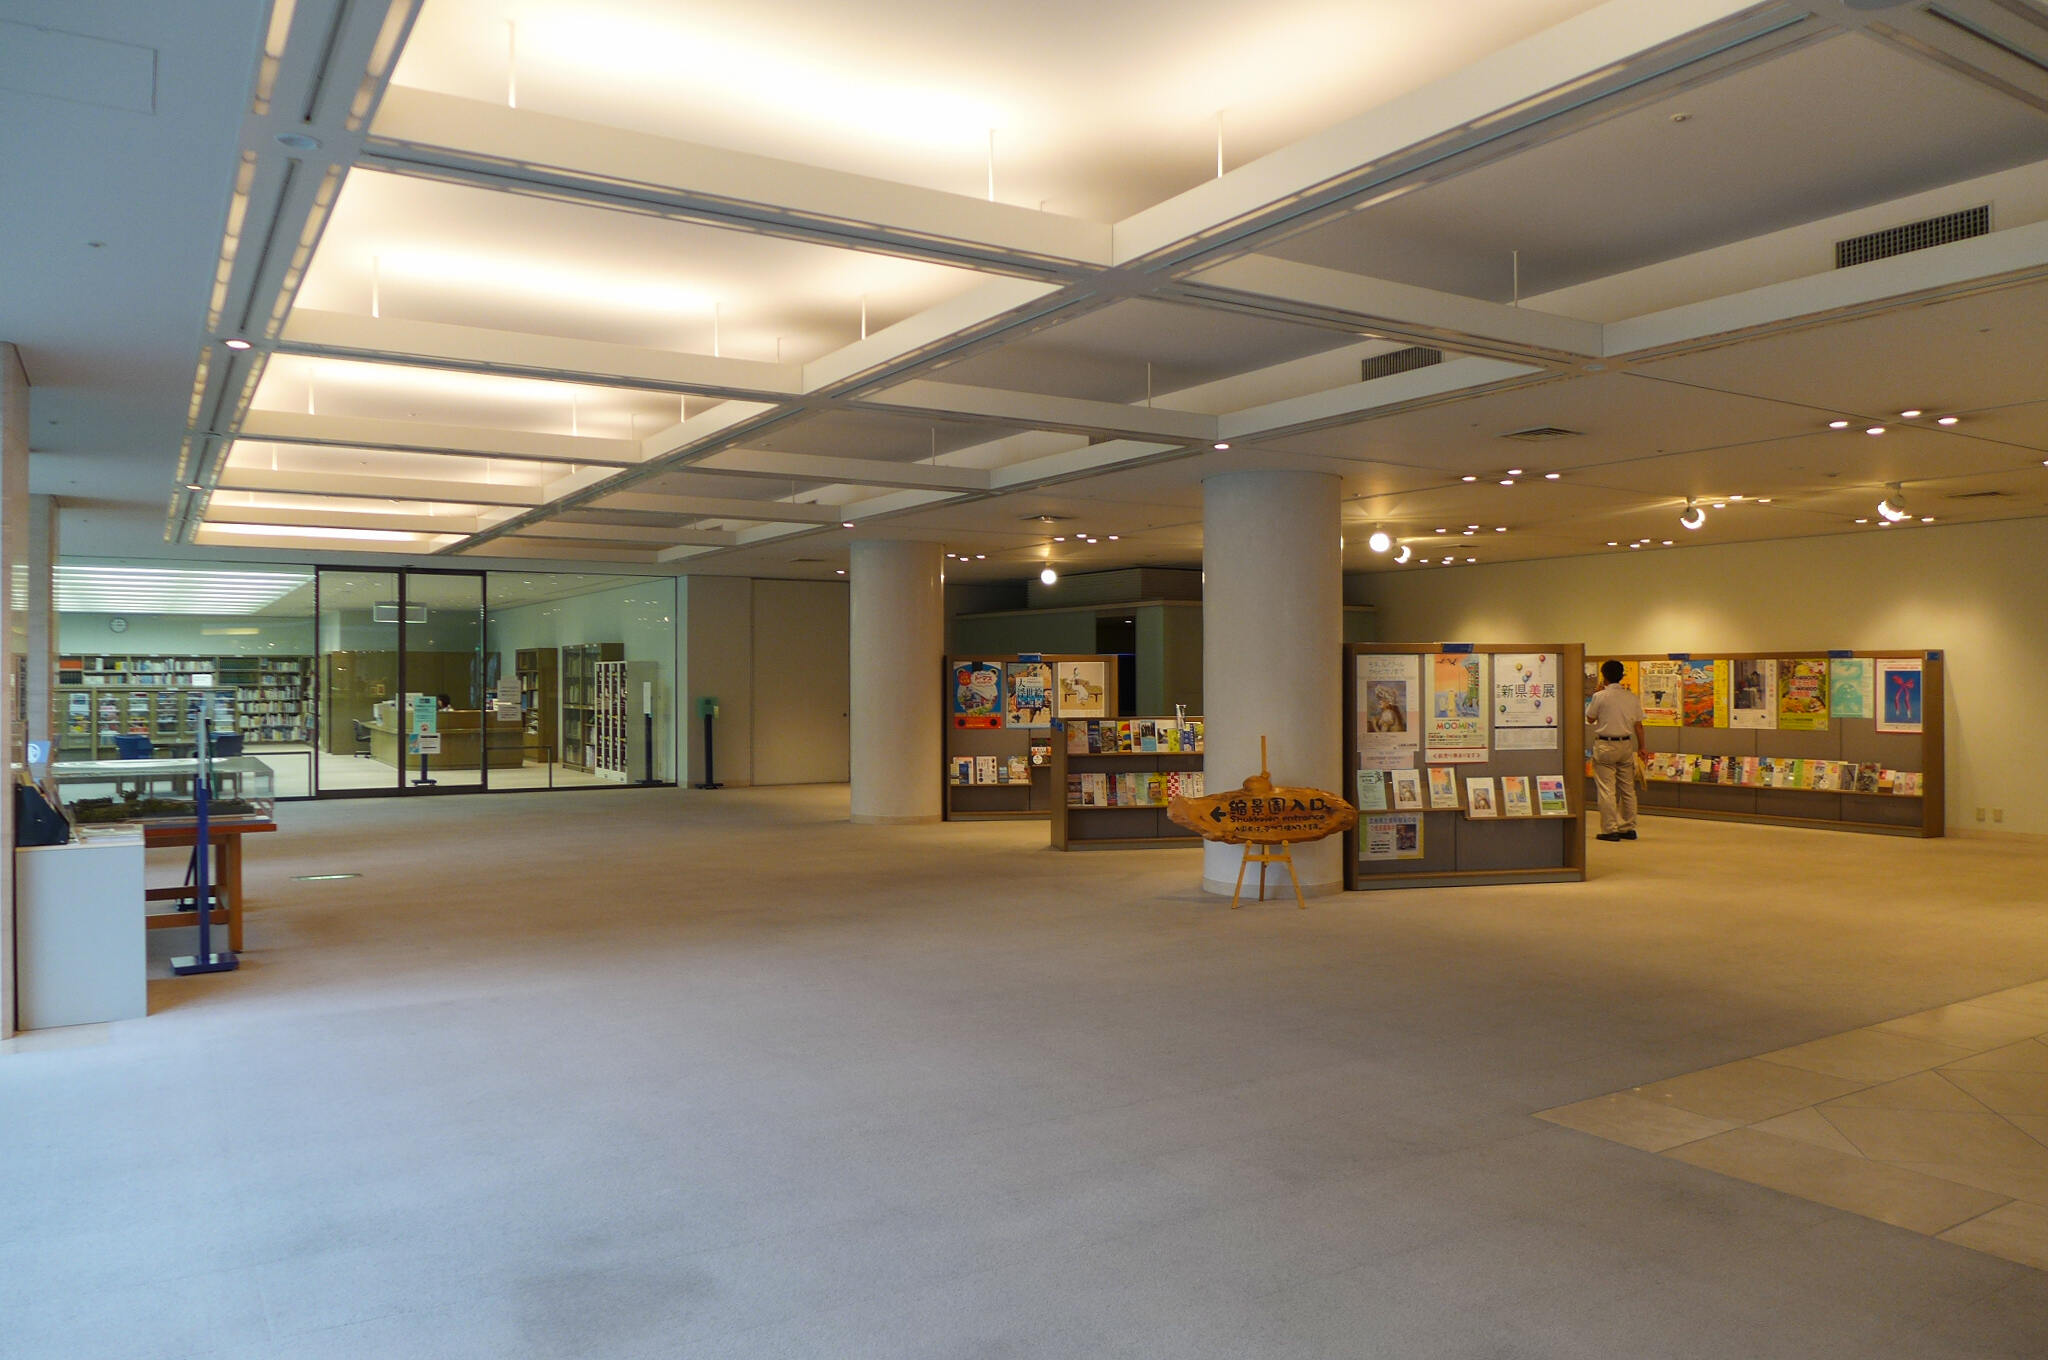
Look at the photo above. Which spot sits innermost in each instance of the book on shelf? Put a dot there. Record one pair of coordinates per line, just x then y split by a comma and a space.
985, 769
961, 770
1041, 751
1017, 770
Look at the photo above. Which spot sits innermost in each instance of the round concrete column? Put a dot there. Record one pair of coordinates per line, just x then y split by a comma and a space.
898, 644
1272, 650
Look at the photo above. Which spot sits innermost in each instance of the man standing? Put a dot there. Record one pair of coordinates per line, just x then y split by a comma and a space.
1615, 717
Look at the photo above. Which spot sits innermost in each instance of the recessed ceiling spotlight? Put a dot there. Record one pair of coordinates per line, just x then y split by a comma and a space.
1442, 531
1681, 118
1471, 526
1945, 420
1048, 576
1219, 447
194, 486
1838, 424
1405, 553
1500, 528
236, 343
1863, 521
839, 571
1735, 498
1059, 538
1763, 500
846, 524
1471, 559
1514, 472
1552, 476
298, 141
1507, 481
1927, 519
1448, 561
1720, 505
1875, 429
1910, 415
1693, 517
1614, 543
1469, 477
981, 557
1380, 541
1667, 542
1635, 545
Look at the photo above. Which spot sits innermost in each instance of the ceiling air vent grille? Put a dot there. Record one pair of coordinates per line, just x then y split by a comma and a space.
1398, 361
1934, 231
1978, 495
1537, 434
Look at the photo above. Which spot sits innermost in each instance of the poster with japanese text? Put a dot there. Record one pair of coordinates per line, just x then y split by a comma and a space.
978, 694
1083, 689
1899, 694
1706, 694
1752, 693
1525, 690
1803, 694
1391, 835
1027, 694
1662, 693
1849, 690
1389, 735
1457, 729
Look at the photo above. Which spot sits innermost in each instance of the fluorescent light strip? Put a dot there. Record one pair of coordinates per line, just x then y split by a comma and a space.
306, 531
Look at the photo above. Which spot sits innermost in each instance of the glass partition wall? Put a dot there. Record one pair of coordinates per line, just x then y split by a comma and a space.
536, 680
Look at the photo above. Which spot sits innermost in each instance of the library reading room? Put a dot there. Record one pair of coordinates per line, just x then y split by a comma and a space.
1283, 683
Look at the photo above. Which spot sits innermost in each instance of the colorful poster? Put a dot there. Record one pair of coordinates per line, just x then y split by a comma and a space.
1524, 690
1706, 692
1392, 835
1407, 786
1550, 796
1753, 694
1899, 694
1372, 790
1084, 689
978, 694
1027, 695
1457, 712
1389, 735
1803, 694
1443, 789
1849, 687
1662, 694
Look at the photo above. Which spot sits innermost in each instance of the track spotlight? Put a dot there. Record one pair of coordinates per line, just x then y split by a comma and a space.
1048, 576
1893, 506
1405, 553
1693, 517
1379, 542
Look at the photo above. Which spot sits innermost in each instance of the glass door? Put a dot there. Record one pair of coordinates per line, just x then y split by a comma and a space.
447, 685
359, 736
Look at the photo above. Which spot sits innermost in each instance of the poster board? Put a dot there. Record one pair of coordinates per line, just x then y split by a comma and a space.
997, 716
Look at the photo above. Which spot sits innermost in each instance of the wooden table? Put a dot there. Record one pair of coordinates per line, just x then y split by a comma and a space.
226, 835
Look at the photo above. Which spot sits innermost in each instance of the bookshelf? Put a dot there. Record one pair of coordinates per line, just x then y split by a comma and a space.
1139, 825
538, 669
266, 699
618, 743
1037, 794
579, 698
1851, 741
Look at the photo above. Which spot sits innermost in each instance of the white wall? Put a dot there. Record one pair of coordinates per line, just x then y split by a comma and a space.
1974, 592
719, 613
802, 691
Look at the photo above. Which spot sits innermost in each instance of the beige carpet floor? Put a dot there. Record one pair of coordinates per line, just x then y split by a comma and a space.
668, 1074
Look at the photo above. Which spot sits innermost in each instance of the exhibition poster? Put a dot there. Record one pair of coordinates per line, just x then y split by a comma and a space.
1753, 694
1514, 796
1083, 687
1372, 790
1706, 694
1550, 796
1525, 690
1803, 694
1388, 734
1898, 694
1479, 797
1027, 701
1407, 787
1392, 835
978, 694
1457, 713
1849, 687
1662, 694
1443, 788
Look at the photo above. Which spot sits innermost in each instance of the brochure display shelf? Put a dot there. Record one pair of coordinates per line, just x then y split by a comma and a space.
1504, 715
1838, 767
1135, 827
579, 698
991, 752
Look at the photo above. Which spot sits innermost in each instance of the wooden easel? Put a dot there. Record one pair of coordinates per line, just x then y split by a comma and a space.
1262, 859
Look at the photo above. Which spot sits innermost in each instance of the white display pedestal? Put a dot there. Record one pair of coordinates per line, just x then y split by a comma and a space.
81, 955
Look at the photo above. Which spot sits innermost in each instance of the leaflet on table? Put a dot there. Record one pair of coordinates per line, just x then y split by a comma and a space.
1753, 693
1391, 835
1388, 690
1662, 693
1525, 692
1803, 694
1457, 712
1899, 694
1849, 689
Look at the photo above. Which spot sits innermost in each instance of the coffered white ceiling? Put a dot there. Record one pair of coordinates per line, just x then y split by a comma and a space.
691, 286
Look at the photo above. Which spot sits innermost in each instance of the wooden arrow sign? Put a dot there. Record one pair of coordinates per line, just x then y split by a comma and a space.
1264, 813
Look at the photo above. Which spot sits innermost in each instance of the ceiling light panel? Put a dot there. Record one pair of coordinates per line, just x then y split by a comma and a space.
245, 535
425, 251
110, 589
344, 387
908, 90
262, 455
